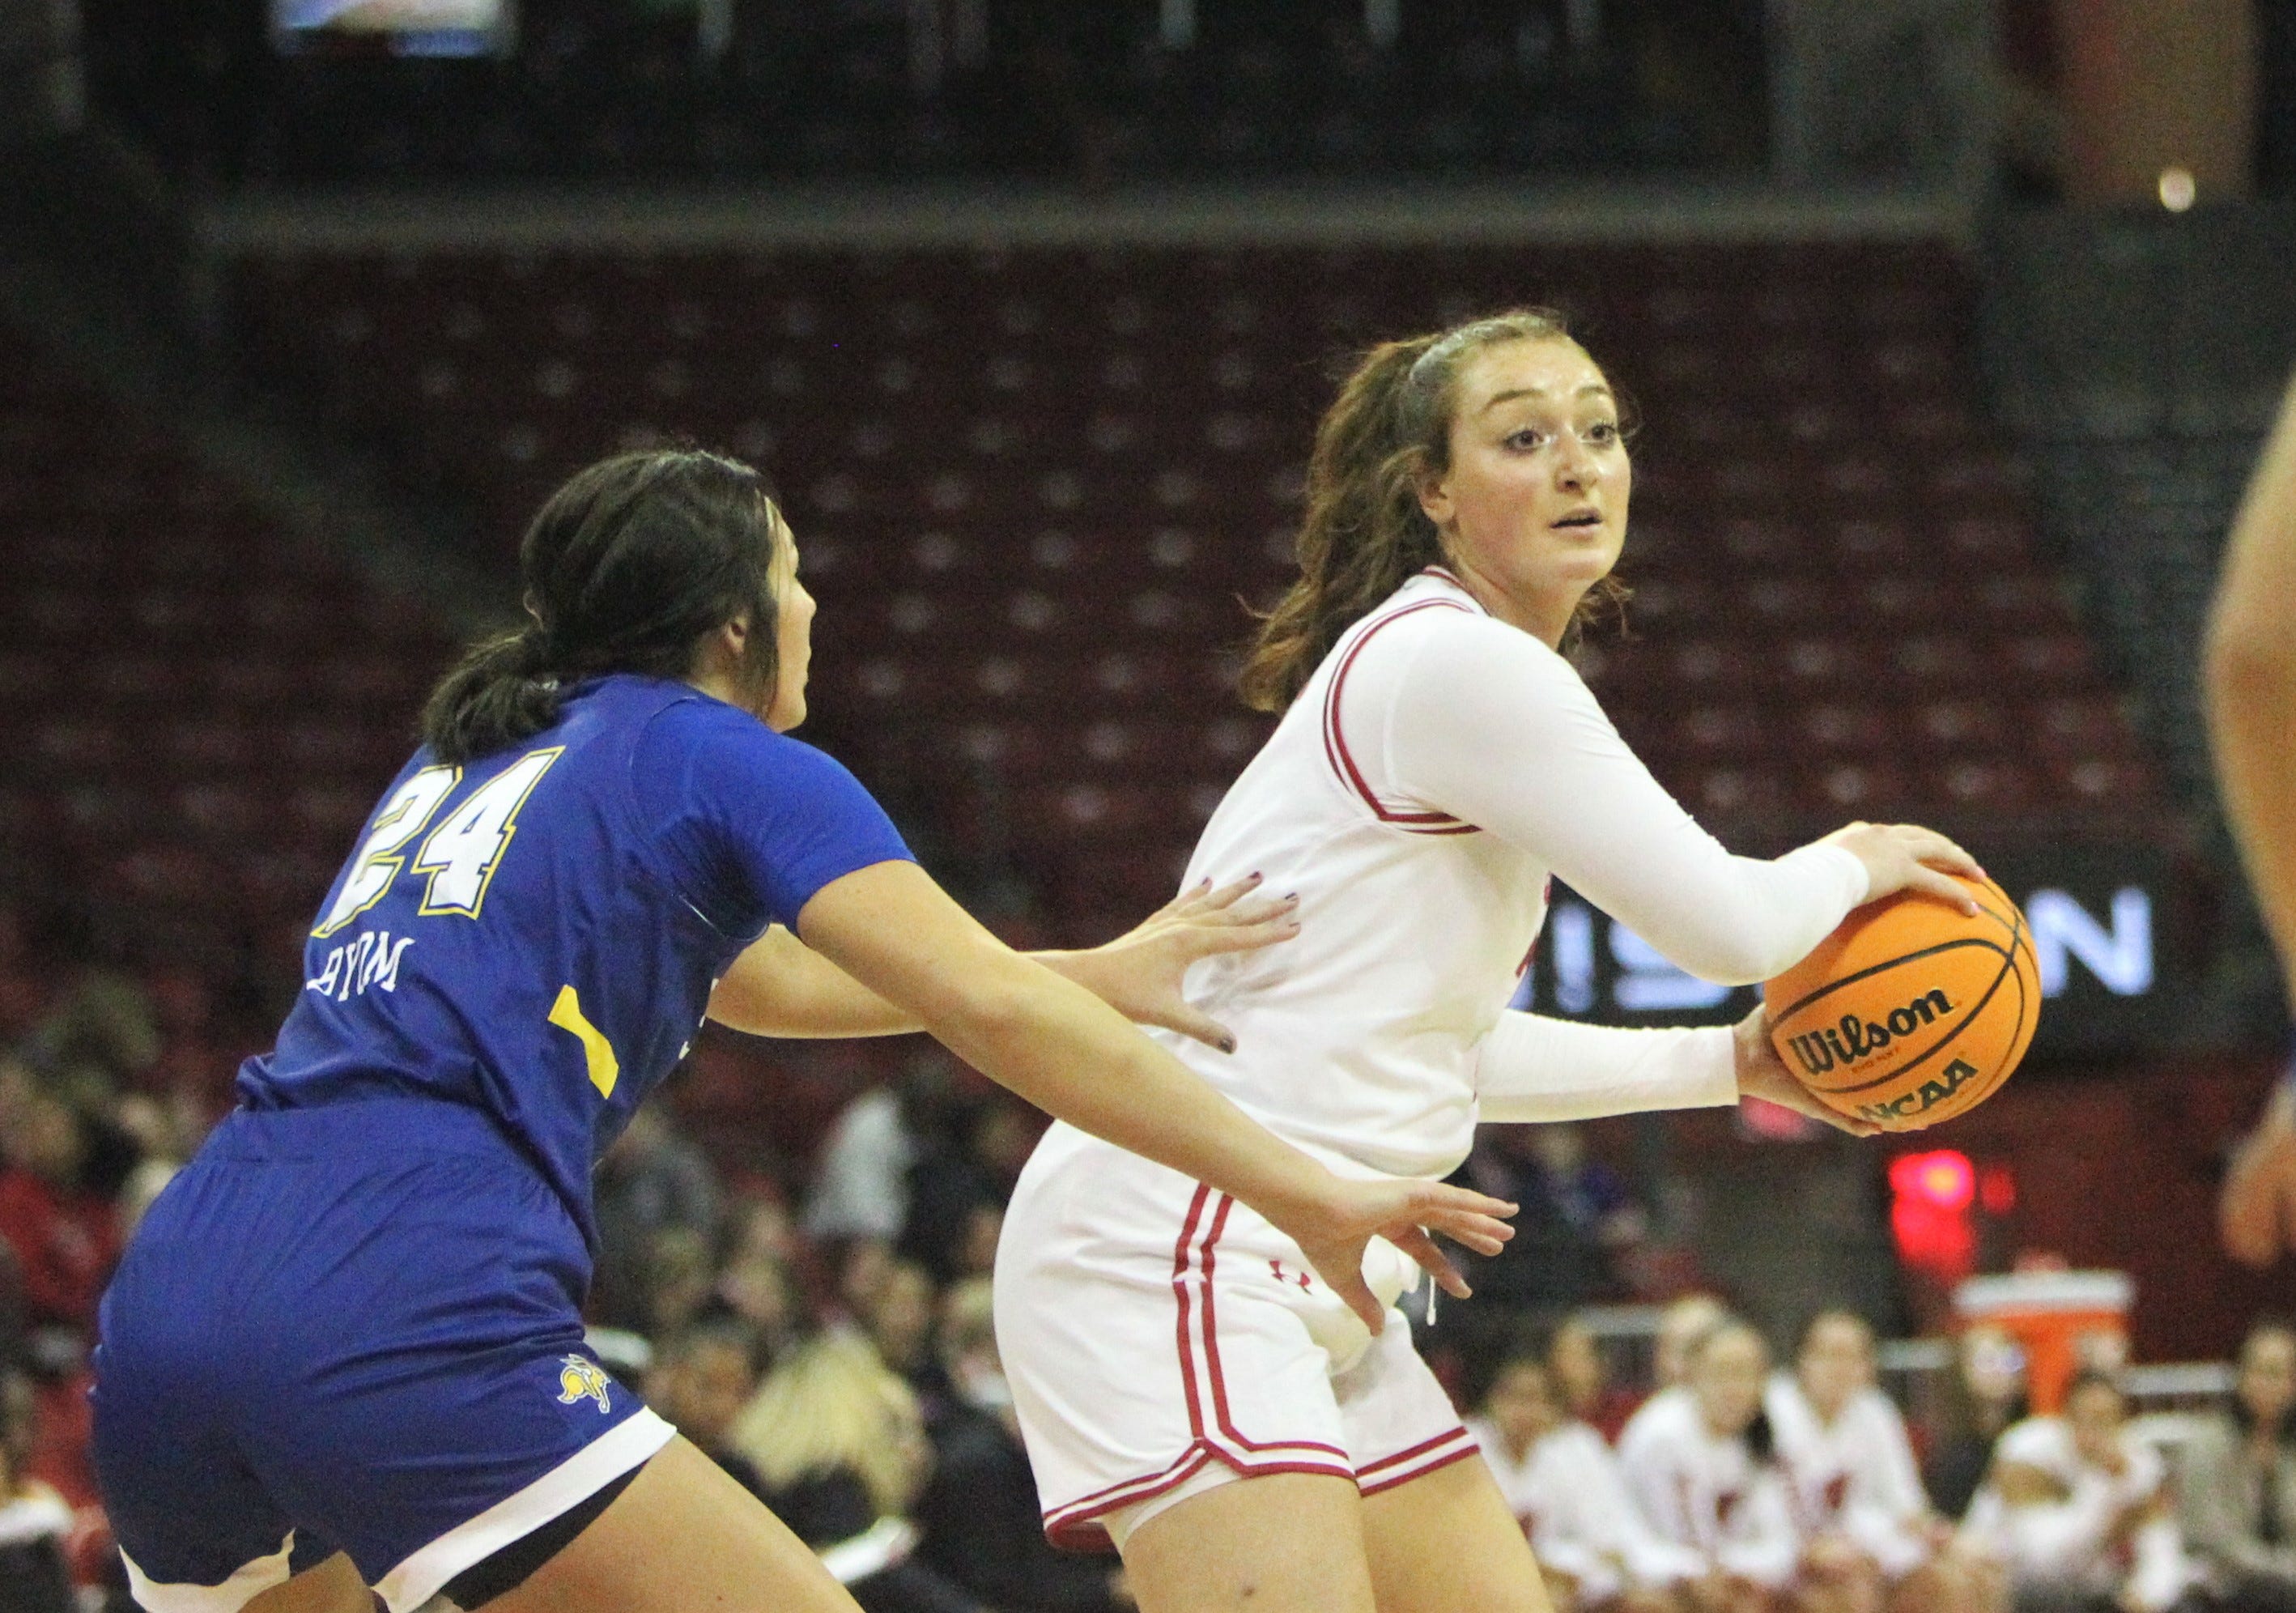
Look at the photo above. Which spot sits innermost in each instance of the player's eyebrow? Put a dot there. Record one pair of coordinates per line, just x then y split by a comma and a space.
1540, 391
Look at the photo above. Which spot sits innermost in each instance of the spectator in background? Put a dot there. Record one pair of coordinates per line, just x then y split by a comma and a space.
899, 1322
1564, 1487
701, 1380
2236, 1480
839, 1447
757, 1283
649, 1181
2076, 1510
58, 1173
1582, 1378
959, 1186
863, 1268
979, 1512
1680, 1326
861, 1190
681, 1277
1576, 1215
1985, 1394
34, 1520
1867, 1527
1701, 1464
101, 1039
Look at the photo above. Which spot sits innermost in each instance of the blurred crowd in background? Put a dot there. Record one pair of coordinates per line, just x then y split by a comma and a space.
824, 1330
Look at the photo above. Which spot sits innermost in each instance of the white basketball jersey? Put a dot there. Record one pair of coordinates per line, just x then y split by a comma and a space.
1357, 1038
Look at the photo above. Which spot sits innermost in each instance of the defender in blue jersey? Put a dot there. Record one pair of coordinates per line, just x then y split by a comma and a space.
345, 1348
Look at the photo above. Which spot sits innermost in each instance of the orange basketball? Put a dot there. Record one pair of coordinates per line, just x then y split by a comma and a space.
1911, 1012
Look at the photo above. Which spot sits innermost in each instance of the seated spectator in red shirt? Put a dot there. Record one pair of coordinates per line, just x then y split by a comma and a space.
54, 1211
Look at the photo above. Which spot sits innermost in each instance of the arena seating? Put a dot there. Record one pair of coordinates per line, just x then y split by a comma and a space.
201, 710
2143, 430
1032, 486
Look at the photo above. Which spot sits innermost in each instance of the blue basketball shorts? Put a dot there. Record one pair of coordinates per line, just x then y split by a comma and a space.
353, 1328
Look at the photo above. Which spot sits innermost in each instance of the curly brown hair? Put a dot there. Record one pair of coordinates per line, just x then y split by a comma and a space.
1363, 532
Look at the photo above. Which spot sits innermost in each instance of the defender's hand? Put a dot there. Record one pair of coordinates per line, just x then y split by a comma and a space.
1333, 1233
1139, 973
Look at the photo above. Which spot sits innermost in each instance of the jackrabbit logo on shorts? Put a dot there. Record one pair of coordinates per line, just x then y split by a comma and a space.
579, 1379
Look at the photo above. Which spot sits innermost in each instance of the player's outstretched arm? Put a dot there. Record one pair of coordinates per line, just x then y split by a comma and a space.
1477, 719
782, 987
2250, 678
1140, 972
892, 928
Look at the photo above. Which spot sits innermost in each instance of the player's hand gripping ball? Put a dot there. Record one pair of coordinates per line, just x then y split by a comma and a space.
1911, 1012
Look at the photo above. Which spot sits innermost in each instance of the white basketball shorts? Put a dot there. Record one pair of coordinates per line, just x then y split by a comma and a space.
1151, 1327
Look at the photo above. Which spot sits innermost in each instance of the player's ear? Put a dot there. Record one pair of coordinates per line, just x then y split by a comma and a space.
1435, 497
723, 649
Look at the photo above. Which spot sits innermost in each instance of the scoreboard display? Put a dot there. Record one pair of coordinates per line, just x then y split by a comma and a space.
393, 27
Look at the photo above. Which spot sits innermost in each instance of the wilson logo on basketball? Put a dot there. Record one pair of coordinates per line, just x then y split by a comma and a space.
1936, 1090
1855, 1039
1913, 1011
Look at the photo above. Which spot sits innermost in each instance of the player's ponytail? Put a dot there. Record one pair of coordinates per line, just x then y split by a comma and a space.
624, 568
500, 692
1363, 532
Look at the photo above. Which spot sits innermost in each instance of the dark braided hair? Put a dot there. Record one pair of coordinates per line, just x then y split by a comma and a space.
626, 567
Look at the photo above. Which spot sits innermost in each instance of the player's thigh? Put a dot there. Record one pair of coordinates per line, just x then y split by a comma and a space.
683, 1535
332, 1586
1289, 1543
1446, 1540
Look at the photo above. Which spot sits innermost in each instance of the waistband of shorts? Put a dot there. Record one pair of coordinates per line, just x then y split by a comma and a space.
370, 1126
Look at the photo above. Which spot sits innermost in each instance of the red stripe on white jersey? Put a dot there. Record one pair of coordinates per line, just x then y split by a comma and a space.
1196, 1259
1420, 1458
1335, 739
1131, 1491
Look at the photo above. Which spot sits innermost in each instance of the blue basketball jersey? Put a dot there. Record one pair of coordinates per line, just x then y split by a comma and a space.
535, 933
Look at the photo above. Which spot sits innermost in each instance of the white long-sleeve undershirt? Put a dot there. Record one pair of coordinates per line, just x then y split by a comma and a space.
1531, 1068
1481, 720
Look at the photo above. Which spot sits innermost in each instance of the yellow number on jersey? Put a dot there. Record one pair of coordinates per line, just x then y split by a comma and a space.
402, 819
467, 847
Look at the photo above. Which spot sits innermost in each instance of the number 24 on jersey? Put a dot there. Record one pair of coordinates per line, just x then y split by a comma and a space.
459, 857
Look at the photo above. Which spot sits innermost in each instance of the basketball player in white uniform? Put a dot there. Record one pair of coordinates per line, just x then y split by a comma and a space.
1703, 1469
1438, 759
1869, 1534
1563, 1485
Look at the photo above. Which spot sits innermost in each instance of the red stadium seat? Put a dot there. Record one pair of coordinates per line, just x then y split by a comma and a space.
1847, 727
1730, 792
1993, 784
1852, 787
